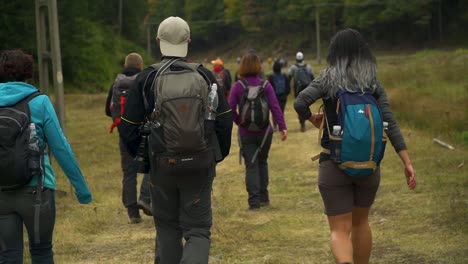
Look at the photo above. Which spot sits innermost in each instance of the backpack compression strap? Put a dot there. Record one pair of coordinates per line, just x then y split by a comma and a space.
320, 134
117, 120
38, 201
158, 68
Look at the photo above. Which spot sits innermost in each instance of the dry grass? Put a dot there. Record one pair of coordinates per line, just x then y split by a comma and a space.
428, 225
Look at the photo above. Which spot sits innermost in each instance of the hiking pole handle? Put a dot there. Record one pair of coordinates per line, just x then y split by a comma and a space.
239, 141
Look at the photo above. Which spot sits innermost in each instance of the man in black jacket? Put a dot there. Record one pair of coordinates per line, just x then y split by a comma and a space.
114, 107
181, 200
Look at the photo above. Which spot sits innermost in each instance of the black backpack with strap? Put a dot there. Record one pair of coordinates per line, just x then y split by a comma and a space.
302, 78
254, 110
178, 137
120, 90
14, 144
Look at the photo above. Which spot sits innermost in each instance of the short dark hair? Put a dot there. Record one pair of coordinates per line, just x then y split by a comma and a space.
348, 44
277, 65
250, 65
15, 65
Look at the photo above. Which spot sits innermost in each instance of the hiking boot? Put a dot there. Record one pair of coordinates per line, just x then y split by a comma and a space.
145, 207
254, 208
134, 215
135, 220
303, 128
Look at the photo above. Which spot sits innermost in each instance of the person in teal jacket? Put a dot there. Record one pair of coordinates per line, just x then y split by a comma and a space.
17, 206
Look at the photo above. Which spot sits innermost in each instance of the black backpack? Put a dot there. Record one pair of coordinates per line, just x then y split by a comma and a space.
279, 81
14, 144
302, 77
120, 90
254, 110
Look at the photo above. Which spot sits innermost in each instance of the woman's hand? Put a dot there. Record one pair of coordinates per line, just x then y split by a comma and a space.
284, 135
410, 176
409, 171
316, 119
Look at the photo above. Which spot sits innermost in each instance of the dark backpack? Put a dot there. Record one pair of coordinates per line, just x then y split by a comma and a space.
254, 110
279, 83
302, 77
359, 148
120, 90
228, 79
14, 144
178, 137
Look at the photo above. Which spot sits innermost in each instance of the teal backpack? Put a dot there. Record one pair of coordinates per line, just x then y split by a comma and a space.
358, 146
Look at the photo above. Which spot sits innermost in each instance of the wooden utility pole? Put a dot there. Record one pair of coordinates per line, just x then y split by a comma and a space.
48, 9
317, 32
120, 17
440, 20
148, 39
43, 56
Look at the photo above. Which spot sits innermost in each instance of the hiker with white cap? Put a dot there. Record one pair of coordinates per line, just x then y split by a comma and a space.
179, 124
302, 75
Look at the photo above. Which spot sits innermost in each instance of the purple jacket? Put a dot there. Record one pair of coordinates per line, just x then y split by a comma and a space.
235, 97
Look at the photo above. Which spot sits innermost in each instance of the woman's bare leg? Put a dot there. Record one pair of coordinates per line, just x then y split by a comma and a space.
361, 236
341, 245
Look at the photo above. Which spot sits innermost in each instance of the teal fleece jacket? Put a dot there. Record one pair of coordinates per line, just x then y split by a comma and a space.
49, 131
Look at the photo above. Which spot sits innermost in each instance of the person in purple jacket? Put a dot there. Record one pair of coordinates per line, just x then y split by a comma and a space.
256, 145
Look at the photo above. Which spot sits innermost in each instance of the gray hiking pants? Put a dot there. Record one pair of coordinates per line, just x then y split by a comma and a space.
182, 209
256, 173
129, 181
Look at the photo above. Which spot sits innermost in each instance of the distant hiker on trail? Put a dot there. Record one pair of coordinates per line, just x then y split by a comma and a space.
27, 184
302, 75
178, 121
348, 188
222, 75
280, 83
115, 106
251, 101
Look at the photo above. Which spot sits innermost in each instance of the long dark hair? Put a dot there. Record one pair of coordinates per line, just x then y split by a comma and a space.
15, 66
351, 65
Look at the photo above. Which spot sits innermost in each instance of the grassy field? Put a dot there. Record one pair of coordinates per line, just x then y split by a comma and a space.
428, 225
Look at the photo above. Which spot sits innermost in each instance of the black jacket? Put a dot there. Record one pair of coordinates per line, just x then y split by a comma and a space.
135, 112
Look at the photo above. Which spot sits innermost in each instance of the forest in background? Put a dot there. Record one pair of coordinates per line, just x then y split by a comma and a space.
95, 36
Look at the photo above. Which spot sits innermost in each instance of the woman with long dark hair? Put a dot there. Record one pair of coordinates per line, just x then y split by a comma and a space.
347, 201
31, 203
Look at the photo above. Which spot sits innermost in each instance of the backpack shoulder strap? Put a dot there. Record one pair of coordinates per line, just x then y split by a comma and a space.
31, 96
193, 66
25, 101
207, 79
320, 134
158, 68
244, 84
263, 85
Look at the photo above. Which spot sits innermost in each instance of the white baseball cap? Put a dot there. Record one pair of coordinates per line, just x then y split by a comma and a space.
174, 36
299, 56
